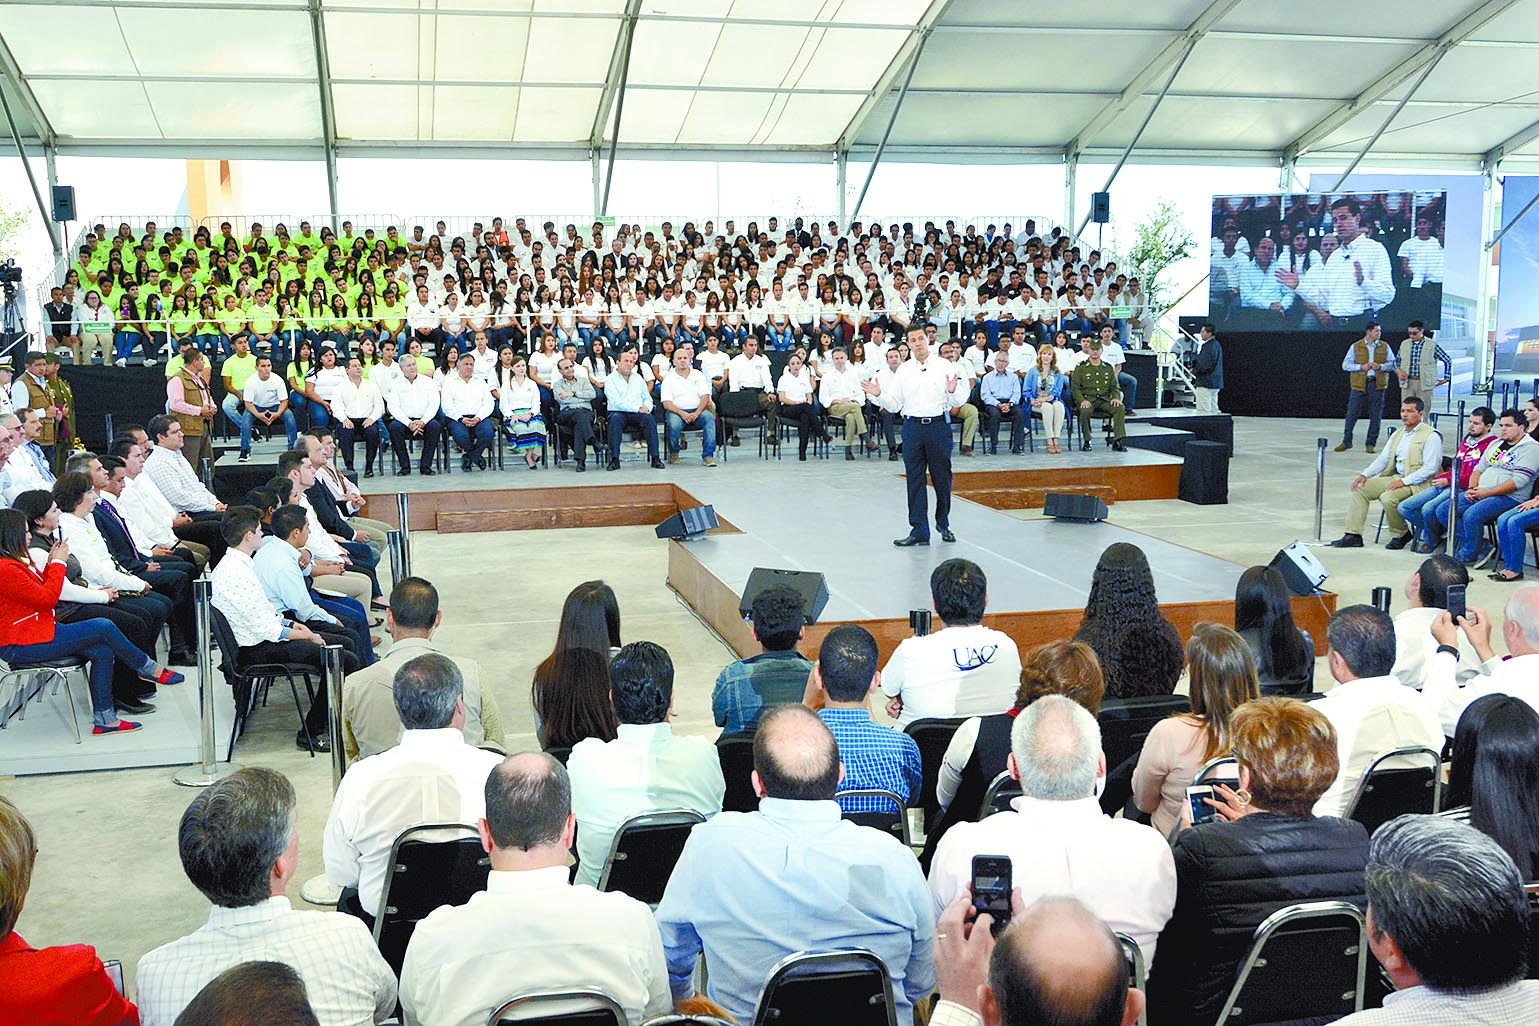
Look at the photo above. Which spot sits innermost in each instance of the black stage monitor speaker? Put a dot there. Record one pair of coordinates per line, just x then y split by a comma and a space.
63, 203
1301, 571
1061, 506
689, 523
1100, 207
809, 584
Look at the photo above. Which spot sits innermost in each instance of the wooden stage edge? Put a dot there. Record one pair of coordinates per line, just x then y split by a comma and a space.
635, 505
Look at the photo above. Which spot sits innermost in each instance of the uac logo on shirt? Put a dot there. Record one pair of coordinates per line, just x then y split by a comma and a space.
973, 658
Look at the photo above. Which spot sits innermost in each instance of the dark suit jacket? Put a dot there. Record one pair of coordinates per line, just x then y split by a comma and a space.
119, 542
327, 512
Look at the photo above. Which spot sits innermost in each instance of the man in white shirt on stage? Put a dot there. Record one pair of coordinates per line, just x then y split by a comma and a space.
924, 388
413, 405
963, 669
467, 405
842, 395
686, 397
432, 776
531, 930
1056, 837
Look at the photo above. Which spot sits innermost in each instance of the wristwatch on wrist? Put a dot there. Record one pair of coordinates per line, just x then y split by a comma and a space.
1451, 650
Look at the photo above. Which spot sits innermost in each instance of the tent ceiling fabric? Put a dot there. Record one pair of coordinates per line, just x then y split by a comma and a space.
747, 77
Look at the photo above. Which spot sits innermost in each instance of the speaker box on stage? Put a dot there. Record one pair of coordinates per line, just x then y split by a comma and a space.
809, 584
1300, 570
1062, 506
689, 523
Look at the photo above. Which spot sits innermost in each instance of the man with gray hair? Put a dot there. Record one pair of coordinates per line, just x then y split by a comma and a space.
1517, 676
240, 847
1055, 835
1449, 922
432, 776
532, 930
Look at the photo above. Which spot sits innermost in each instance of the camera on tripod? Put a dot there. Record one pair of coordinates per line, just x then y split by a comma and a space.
10, 274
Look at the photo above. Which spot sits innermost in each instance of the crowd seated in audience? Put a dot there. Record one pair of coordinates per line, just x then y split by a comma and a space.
1494, 776
252, 994
1139, 650
1055, 835
748, 688
239, 845
1266, 850
59, 986
1426, 593
753, 887
1371, 711
431, 776
1283, 652
645, 768
1222, 678
570, 690
963, 669
531, 930
1451, 925
370, 723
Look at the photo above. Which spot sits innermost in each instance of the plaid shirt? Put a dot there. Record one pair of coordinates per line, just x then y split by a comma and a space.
874, 757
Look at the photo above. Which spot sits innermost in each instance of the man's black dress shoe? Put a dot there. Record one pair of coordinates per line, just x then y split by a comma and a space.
912, 539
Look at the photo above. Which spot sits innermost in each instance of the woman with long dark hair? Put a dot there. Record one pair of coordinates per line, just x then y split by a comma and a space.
570, 691
30, 634
1263, 616
1140, 650
1495, 776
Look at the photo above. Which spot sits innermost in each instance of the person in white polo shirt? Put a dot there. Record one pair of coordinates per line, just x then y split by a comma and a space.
686, 395
963, 669
840, 392
265, 399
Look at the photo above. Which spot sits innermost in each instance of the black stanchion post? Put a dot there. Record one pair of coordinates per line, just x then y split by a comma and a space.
334, 676
394, 545
1320, 444
403, 514
208, 770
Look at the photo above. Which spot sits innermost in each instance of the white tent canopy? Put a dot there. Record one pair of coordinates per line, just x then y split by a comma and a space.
1254, 81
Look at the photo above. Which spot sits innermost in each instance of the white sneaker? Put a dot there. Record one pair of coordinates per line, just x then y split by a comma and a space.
150, 362
120, 363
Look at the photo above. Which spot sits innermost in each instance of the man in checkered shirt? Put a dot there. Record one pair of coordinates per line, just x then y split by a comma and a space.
875, 757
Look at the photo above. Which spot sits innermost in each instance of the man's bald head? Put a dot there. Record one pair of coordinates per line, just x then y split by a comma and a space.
795, 756
1058, 963
528, 800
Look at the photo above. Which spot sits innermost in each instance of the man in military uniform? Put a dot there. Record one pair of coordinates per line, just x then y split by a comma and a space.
63, 412
1095, 389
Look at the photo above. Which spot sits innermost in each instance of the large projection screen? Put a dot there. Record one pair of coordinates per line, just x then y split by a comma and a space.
1317, 262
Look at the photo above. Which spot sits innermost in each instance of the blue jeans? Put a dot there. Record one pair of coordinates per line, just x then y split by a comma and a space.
1424, 512
354, 619
1129, 386
779, 338
247, 419
99, 642
1512, 534
125, 342
318, 415
1475, 517
707, 424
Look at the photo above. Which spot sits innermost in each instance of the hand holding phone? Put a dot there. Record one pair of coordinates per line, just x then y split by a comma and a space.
1456, 606
993, 885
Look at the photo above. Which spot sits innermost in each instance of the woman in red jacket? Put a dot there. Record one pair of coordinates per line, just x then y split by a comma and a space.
63, 986
29, 634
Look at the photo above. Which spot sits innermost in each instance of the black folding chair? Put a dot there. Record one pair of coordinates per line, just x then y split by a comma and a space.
561, 753
1383, 794
851, 987
1003, 790
1225, 767
426, 871
1126, 723
933, 736
644, 851
1306, 961
248, 680
594, 1008
892, 820
740, 412
735, 752
1137, 974
31, 681
1532, 890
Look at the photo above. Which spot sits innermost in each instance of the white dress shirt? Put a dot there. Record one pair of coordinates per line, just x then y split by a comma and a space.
347, 980
529, 932
416, 399
1373, 715
23, 473
1415, 647
1517, 676
970, 670
838, 386
645, 769
238, 594
745, 373
1514, 1005
432, 776
358, 402
1123, 871
461, 398
925, 389
175, 481
1431, 457
148, 513
90, 549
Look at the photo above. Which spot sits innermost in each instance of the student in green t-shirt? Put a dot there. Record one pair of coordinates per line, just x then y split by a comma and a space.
262, 322
183, 321
232, 321
237, 367
208, 334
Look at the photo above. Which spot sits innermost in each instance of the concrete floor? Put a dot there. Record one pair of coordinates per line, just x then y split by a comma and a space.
108, 872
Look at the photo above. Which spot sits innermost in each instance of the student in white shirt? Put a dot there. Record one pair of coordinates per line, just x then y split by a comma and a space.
358, 407
962, 669
265, 400
532, 930
794, 390
686, 396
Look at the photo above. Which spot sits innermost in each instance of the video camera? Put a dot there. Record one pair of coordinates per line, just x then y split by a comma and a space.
10, 274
